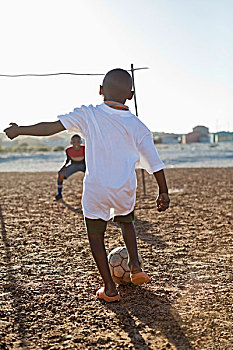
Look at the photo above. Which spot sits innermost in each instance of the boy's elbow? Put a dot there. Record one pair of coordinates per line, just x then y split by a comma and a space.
60, 127
54, 128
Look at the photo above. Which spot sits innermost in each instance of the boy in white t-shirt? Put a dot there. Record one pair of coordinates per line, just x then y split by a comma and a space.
122, 142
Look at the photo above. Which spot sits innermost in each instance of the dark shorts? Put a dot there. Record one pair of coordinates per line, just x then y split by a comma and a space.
73, 168
99, 225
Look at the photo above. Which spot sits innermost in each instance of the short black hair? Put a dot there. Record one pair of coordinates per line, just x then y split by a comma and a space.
117, 85
76, 135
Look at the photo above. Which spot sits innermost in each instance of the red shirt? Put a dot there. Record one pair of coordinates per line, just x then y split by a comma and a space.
74, 154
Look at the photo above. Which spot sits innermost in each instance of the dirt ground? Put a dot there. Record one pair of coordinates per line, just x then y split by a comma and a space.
48, 277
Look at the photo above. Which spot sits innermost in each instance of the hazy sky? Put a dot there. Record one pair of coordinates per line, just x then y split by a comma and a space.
187, 45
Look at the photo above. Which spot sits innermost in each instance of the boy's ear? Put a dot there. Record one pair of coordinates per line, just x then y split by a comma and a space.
130, 95
101, 90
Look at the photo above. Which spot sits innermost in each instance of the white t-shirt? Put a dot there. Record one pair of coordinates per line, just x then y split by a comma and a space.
116, 143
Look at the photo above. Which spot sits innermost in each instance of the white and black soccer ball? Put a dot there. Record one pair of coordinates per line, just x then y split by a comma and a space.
118, 264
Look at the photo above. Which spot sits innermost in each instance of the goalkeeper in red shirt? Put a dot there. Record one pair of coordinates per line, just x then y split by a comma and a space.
75, 155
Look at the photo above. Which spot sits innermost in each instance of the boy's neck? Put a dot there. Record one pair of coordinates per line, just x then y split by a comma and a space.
115, 99
116, 105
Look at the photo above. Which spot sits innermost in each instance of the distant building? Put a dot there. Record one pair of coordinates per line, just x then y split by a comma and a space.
200, 133
222, 136
162, 137
202, 129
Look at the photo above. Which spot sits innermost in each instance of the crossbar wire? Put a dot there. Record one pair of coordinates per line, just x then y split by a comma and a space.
44, 74
54, 74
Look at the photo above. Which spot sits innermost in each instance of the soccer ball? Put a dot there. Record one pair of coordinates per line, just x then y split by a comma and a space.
118, 264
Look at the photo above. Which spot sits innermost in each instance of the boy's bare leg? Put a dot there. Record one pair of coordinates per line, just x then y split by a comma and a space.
96, 241
60, 177
129, 236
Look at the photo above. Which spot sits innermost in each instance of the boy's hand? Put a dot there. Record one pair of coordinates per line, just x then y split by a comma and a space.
12, 131
162, 202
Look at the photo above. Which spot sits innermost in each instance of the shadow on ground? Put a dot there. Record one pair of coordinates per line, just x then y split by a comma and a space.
142, 229
13, 286
70, 207
139, 309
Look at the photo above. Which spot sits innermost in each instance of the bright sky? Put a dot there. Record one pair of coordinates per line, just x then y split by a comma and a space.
187, 45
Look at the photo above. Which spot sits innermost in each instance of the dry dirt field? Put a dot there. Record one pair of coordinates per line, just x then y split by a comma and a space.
48, 278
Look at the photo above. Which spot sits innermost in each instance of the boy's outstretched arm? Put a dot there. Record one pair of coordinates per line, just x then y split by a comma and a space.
163, 198
40, 129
